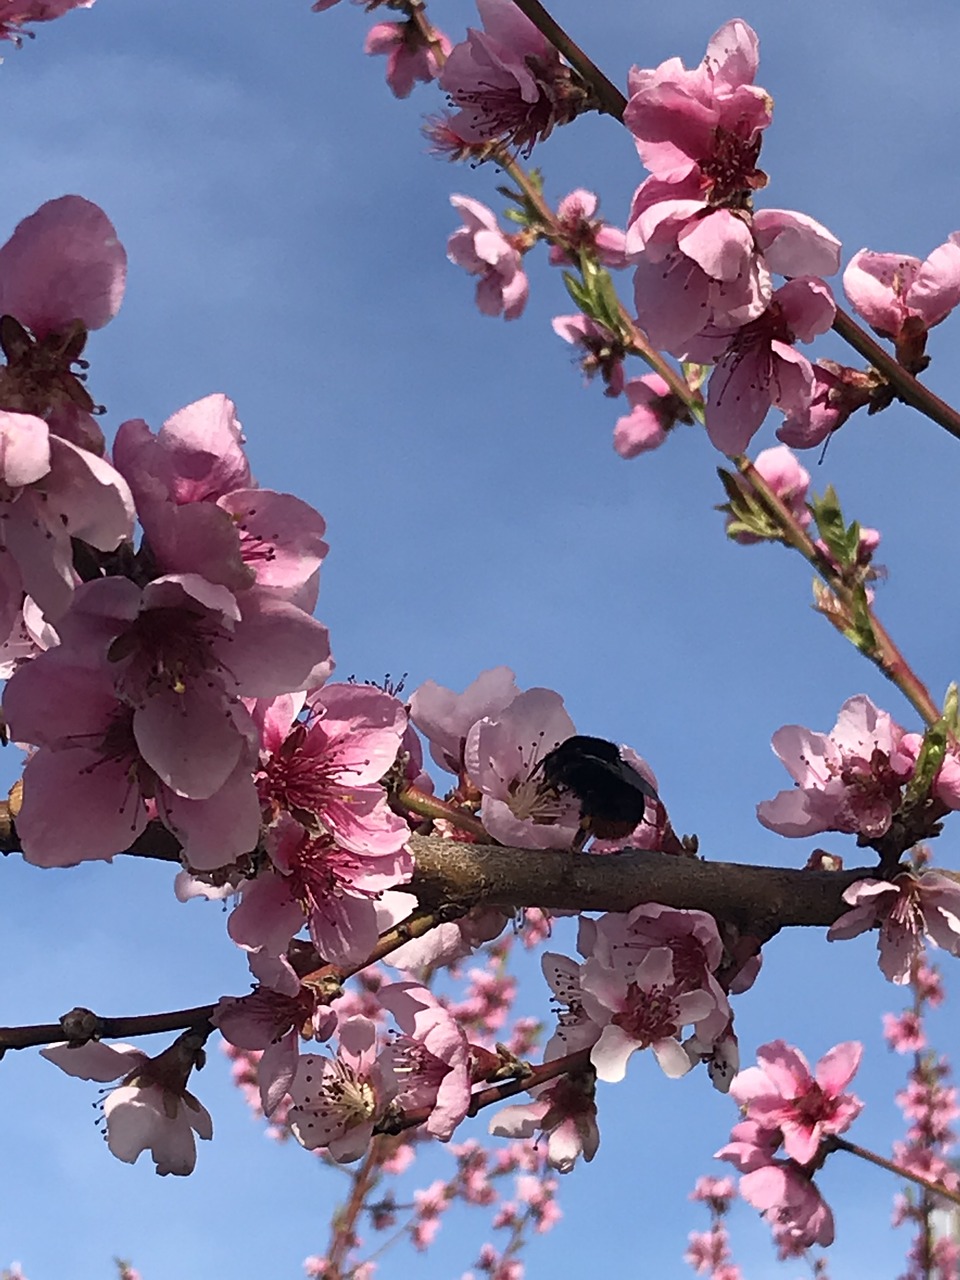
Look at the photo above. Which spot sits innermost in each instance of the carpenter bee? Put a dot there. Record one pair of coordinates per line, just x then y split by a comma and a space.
612, 794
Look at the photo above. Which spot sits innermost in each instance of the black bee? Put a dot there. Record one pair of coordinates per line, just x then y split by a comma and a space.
612, 795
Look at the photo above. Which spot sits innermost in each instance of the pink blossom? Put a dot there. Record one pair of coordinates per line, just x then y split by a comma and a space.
483, 250
201, 513
272, 1019
508, 81
604, 351
337, 1101
583, 232
564, 1110
676, 299
575, 1029
789, 480
848, 780
429, 1203
181, 653
410, 55
759, 366
538, 1193
89, 763
904, 1032
645, 1010
791, 1203
716, 1192
50, 493
703, 258
327, 768
782, 1094
151, 1108
619, 943
432, 1058
836, 393
930, 1104
707, 1251
683, 121
928, 1164
503, 757
928, 984
63, 263
317, 882
654, 411
908, 909
445, 717
785, 1195
894, 292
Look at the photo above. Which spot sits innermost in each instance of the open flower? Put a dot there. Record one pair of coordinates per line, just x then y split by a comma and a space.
503, 757
646, 1010
907, 909
508, 81
782, 1094
445, 718
431, 1059
315, 881
151, 1109
337, 1101
759, 366
482, 249
564, 1111
410, 55
89, 763
848, 780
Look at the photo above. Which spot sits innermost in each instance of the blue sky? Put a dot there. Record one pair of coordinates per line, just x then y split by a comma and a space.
286, 233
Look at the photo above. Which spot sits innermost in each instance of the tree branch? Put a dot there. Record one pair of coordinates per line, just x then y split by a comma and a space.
764, 899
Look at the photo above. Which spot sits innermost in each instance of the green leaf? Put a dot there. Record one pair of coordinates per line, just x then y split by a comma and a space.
951, 708
843, 541
928, 762
577, 292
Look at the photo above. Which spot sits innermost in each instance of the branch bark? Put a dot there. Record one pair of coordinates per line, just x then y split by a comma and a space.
761, 899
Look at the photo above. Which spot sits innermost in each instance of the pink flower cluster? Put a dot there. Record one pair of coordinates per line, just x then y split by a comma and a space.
708, 1252
929, 1105
704, 258
786, 1106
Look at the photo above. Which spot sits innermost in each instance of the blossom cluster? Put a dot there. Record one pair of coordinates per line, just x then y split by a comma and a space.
929, 1106
786, 1106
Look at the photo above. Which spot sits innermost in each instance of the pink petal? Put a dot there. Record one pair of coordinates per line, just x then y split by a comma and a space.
63, 263
838, 1066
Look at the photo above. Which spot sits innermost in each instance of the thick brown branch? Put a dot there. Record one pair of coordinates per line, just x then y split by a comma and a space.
761, 899
758, 899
